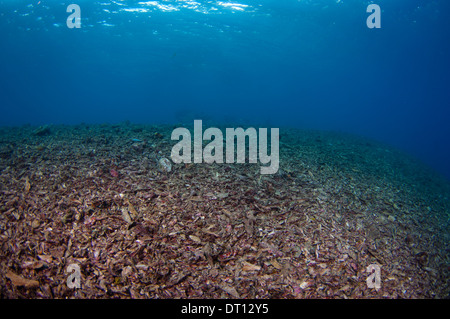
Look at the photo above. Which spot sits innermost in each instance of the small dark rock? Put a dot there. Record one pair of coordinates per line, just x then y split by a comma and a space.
42, 131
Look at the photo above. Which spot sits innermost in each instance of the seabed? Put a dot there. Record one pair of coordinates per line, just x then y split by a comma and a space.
95, 196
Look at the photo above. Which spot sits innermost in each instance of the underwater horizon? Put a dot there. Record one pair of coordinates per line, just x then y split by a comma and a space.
303, 64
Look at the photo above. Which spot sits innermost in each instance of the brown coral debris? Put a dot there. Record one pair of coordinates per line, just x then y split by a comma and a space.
337, 205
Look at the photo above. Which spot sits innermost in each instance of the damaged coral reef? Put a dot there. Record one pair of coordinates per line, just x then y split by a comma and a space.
103, 197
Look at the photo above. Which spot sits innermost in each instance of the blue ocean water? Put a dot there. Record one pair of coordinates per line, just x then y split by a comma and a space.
310, 64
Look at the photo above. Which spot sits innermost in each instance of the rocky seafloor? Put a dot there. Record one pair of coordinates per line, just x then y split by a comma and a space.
96, 196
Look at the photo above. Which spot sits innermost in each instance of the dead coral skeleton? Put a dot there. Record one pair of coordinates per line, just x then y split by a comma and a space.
337, 205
